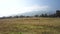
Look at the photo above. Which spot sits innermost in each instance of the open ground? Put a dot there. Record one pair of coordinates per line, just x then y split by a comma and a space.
30, 26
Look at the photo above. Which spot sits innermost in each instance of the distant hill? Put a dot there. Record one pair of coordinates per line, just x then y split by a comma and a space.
32, 13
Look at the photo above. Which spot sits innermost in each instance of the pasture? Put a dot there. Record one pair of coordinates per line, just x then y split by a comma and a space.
30, 26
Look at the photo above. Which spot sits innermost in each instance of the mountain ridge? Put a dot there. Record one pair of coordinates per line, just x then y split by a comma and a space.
32, 13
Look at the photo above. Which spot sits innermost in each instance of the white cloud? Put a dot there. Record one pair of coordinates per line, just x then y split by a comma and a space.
10, 7
9, 11
33, 8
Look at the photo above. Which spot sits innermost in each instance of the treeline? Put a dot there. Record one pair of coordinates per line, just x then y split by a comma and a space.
57, 14
21, 16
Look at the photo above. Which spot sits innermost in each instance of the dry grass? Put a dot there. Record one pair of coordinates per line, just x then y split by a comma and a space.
30, 26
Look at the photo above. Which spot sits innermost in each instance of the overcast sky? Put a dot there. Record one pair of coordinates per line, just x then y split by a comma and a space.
10, 7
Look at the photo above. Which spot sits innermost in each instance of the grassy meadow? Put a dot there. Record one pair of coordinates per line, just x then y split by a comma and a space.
30, 26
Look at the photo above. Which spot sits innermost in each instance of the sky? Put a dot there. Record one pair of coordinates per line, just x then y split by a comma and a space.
10, 7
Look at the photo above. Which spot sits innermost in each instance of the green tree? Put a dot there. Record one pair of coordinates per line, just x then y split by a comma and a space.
36, 15
58, 13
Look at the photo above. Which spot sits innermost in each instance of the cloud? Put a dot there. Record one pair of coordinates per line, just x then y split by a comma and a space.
16, 10
9, 7
33, 8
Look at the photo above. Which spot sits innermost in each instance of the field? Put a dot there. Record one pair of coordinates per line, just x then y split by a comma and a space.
30, 26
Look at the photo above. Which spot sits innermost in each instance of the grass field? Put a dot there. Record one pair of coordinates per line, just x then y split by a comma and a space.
30, 26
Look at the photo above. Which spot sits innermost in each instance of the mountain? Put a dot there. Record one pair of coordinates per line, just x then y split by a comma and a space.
32, 13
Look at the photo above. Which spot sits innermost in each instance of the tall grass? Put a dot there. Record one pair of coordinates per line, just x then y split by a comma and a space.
30, 26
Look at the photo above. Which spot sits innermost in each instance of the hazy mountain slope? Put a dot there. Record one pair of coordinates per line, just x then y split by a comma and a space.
37, 13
